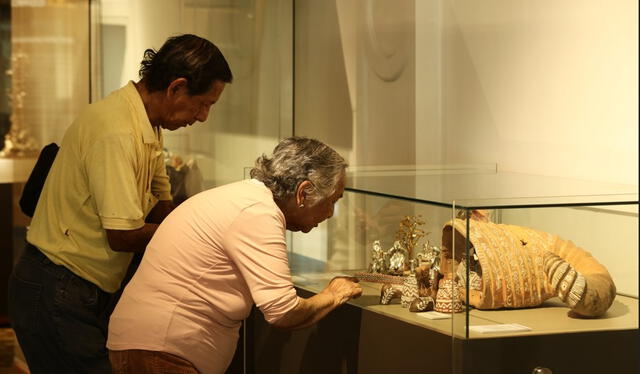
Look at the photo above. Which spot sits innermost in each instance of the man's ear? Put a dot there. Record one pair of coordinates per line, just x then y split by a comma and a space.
176, 86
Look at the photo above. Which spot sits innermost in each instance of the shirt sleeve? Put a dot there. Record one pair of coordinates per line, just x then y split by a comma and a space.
256, 244
109, 165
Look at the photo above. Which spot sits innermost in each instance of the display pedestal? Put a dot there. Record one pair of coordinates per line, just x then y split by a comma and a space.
348, 340
357, 339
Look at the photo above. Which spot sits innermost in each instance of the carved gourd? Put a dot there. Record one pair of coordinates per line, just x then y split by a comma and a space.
522, 267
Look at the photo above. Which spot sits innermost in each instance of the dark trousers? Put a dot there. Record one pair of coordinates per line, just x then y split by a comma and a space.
59, 318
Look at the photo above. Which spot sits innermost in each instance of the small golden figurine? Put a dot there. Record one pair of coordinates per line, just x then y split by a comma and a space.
409, 234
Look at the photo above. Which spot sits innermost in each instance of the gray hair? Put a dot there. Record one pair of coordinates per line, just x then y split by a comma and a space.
295, 160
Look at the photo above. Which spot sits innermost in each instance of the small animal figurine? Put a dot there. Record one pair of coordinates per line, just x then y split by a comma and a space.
389, 292
422, 304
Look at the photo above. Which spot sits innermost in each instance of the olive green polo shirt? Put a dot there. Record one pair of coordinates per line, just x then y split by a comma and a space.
108, 174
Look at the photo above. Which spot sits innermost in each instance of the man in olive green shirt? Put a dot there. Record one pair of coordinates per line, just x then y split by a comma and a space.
103, 199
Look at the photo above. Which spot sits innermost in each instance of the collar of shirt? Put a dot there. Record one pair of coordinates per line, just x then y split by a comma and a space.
149, 134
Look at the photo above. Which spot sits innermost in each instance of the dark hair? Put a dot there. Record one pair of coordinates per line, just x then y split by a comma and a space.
297, 159
185, 56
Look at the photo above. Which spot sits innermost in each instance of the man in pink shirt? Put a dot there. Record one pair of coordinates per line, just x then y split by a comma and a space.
220, 252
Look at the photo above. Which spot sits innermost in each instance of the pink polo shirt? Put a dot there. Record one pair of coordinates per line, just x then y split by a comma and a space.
210, 260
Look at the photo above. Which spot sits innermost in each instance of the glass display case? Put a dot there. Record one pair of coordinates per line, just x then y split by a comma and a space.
551, 264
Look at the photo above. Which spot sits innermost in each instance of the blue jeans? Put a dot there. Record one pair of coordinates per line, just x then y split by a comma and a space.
59, 318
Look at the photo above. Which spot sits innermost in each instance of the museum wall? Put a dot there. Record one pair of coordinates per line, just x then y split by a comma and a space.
542, 87
547, 88
355, 78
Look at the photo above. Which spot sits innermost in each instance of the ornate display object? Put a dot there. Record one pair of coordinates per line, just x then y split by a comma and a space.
409, 233
568, 283
394, 261
426, 286
379, 278
389, 292
521, 267
398, 257
410, 287
18, 142
422, 304
430, 256
378, 263
448, 299
475, 281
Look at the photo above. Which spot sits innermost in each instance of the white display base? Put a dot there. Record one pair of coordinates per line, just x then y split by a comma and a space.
549, 318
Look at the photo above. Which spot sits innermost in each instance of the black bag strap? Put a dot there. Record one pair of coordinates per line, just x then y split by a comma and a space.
33, 187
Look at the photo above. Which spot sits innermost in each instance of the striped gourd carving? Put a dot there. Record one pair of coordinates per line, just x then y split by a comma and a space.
522, 267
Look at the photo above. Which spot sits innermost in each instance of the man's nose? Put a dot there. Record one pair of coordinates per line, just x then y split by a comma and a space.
202, 115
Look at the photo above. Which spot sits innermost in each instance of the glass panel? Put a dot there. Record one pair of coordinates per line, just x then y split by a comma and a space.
517, 287
481, 189
346, 244
254, 111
